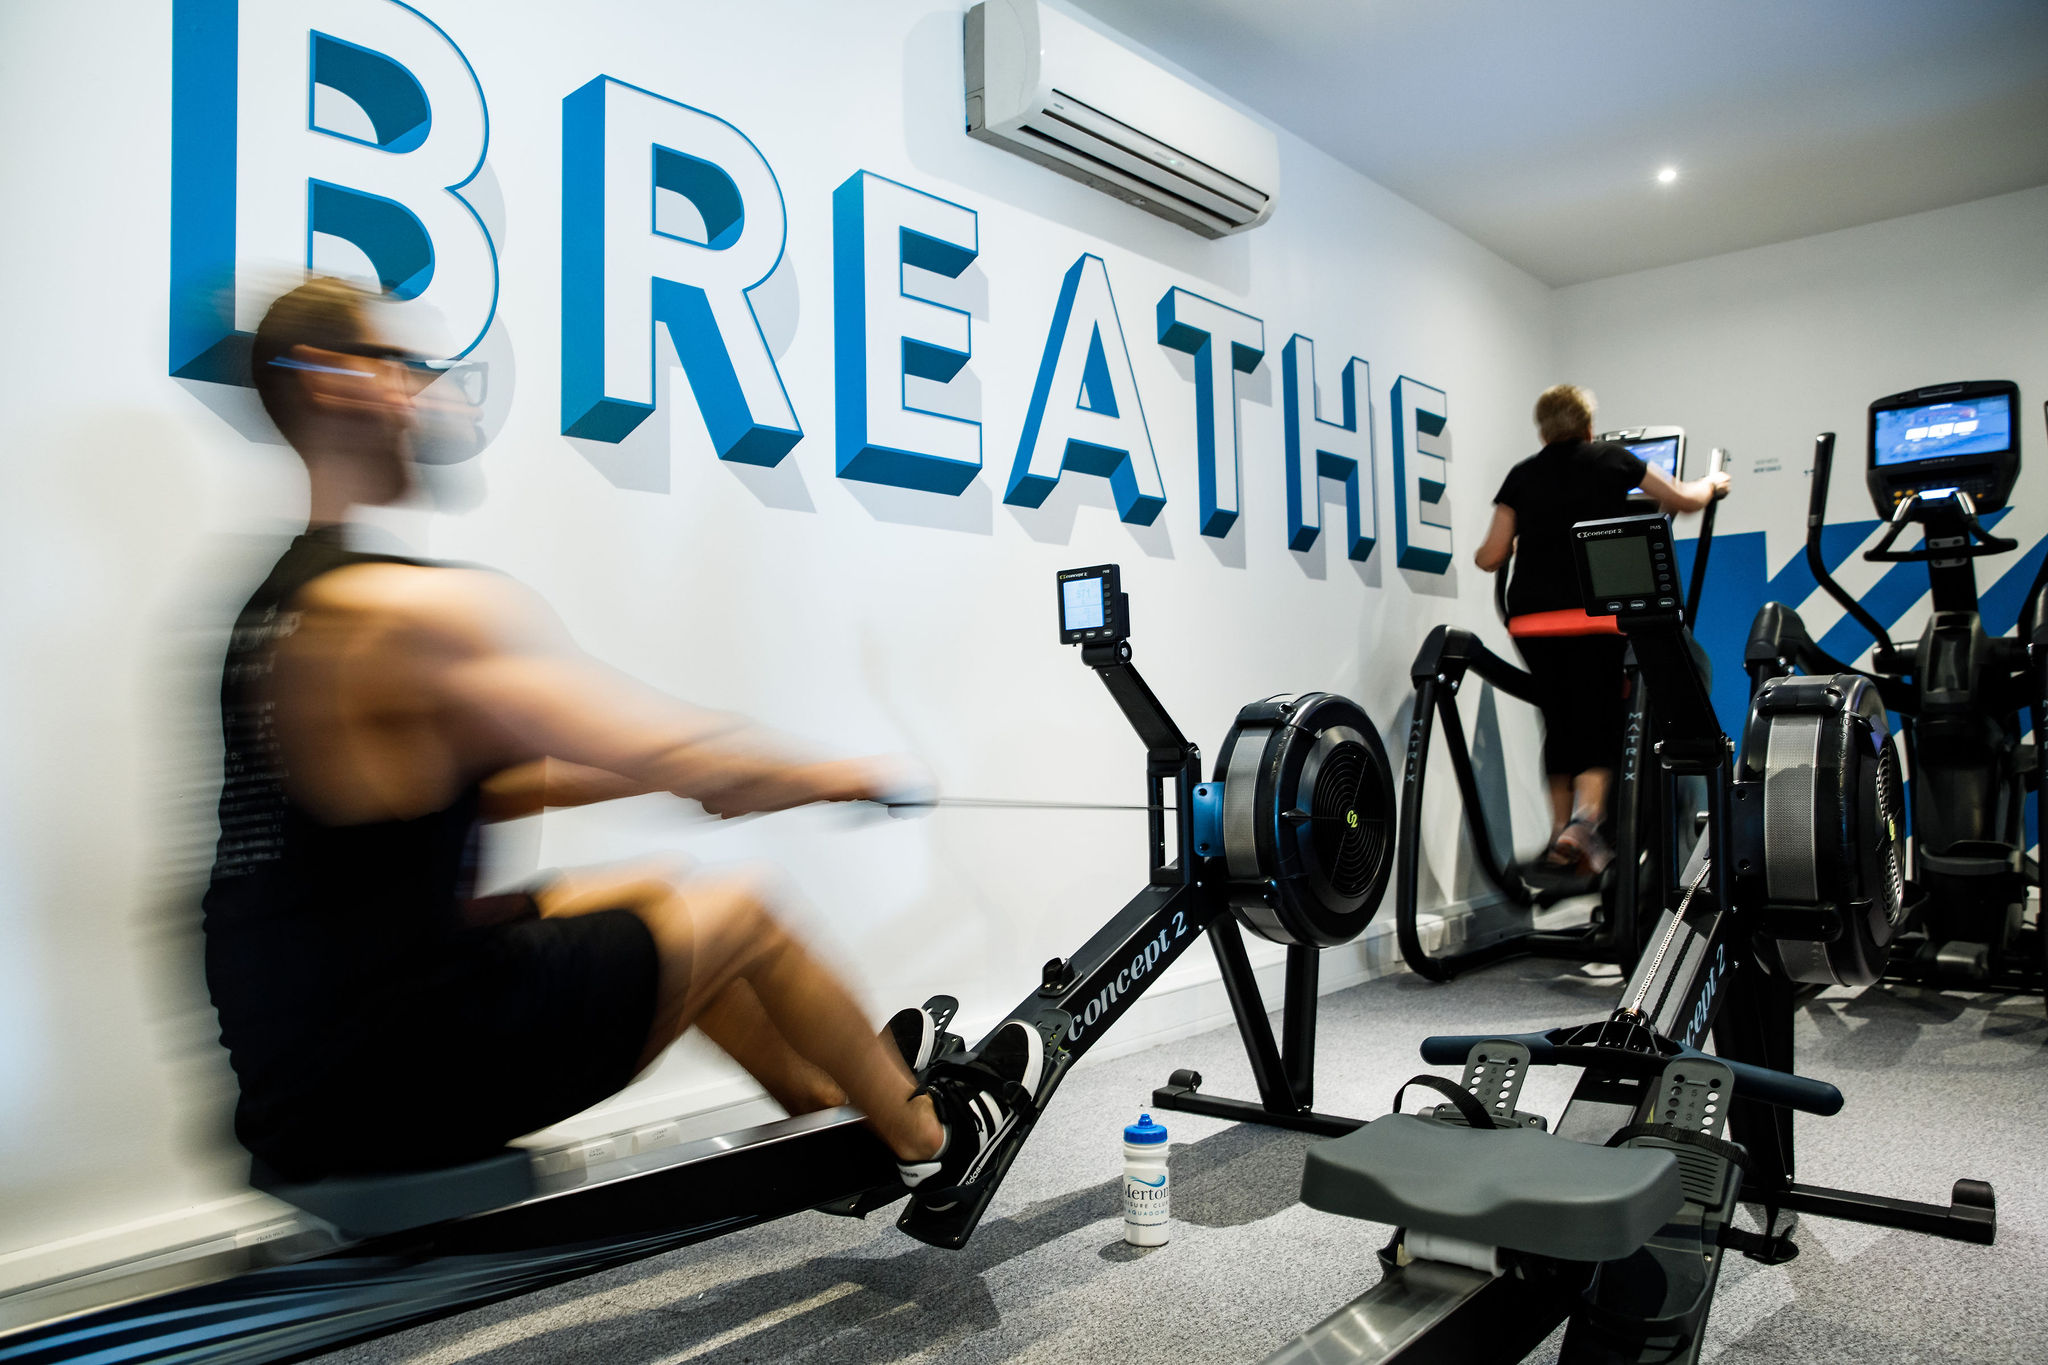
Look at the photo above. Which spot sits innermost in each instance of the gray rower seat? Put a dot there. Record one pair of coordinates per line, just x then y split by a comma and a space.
372, 1205
1512, 1187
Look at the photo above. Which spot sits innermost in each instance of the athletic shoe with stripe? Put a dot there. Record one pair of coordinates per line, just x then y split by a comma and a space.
978, 1106
920, 1034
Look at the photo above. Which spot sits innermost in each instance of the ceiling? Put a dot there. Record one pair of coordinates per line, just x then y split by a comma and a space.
1537, 127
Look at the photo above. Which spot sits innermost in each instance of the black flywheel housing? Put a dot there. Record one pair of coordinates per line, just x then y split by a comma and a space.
1307, 819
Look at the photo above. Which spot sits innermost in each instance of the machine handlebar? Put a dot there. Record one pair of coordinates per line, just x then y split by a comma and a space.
1885, 659
1759, 1083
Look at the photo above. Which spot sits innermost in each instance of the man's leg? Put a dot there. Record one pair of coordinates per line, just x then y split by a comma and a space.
1560, 802
1589, 795
717, 934
744, 1032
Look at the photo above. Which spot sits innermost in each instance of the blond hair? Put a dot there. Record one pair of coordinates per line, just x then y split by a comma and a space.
1564, 411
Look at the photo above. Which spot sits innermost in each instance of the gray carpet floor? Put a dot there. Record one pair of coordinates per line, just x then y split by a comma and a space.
1938, 1086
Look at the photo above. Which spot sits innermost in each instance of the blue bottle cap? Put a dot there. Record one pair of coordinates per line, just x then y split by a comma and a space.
1144, 1132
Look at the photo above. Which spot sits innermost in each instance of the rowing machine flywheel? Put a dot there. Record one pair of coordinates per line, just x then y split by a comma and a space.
1820, 829
1308, 810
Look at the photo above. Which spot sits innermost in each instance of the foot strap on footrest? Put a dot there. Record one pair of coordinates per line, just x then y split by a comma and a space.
1732, 1153
1771, 1249
1469, 1109
1494, 1071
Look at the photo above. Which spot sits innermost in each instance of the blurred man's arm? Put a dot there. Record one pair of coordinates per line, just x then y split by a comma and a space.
509, 686
530, 788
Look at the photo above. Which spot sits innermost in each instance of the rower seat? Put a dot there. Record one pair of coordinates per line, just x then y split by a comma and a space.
1517, 1188
373, 1205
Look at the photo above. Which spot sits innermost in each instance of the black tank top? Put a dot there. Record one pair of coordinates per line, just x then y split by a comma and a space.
310, 926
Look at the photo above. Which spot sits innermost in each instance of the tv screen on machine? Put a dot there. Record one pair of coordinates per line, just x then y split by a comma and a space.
1977, 426
1081, 604
1661, 453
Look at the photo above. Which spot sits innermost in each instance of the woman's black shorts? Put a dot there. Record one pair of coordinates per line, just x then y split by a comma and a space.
1579, 688
520, 1025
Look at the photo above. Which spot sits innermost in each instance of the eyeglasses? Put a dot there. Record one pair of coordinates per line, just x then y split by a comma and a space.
471, 378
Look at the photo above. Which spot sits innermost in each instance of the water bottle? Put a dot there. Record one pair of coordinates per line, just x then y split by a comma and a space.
1147, 1201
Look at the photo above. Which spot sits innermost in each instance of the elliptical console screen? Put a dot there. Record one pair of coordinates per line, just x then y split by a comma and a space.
1959, 436
1660, 454
1978, 426
1659, 447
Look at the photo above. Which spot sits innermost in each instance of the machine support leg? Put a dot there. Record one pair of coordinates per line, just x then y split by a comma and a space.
1755, 1026
1298, 1022
1245, 1002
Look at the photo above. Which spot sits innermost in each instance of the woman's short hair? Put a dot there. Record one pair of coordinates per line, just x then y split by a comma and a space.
324, 313
1564, 411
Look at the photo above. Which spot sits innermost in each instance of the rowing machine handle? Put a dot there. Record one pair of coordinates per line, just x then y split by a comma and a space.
1759, 1083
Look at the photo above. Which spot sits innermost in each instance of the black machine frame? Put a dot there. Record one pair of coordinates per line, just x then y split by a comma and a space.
1946, 690
321, 1286
1650, 832
1700, 978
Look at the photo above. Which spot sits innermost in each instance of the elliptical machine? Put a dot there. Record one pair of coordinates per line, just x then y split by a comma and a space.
1647, 809
1941, 457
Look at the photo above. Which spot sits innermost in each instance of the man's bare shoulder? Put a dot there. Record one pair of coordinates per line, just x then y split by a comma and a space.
452, 608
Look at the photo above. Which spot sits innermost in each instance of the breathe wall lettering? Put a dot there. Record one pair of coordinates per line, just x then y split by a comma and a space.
325, 131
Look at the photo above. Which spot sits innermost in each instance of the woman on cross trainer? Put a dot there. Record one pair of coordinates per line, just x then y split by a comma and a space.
1576, 660
376, 710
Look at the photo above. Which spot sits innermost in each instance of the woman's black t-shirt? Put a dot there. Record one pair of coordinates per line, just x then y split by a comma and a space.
1563, 483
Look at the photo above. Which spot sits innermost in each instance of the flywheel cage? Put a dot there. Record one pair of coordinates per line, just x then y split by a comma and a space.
1822, 849
1307, 819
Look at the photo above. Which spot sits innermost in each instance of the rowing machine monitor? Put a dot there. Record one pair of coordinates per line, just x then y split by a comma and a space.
1094, 610
1627, 566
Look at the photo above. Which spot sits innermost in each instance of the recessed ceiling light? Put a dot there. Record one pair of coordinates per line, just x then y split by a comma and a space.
1667, 175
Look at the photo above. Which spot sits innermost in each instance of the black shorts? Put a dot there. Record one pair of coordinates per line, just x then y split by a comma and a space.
1579, 688
518, 1026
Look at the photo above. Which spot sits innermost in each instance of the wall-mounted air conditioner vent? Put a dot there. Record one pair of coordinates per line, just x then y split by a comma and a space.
1049, 88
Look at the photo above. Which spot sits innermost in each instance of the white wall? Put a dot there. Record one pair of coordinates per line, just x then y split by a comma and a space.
1758, 350
139, 508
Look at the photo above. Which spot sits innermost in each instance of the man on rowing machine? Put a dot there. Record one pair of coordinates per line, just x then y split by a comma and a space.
1578, 669
375, 710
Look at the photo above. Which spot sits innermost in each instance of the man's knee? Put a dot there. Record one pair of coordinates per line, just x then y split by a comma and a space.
727, 923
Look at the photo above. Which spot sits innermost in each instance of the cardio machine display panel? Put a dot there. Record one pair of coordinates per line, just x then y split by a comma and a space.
1659, 447
1093, 608
1945, 436
1627, 566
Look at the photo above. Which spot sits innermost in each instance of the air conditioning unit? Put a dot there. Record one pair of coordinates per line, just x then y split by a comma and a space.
1047, 87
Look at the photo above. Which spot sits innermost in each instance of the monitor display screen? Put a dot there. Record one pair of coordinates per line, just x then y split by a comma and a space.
1081, 604
1977, 426
1619, 567
1661, 454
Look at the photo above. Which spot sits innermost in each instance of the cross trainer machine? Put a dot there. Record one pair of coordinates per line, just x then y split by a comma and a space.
1939, 458
1288, 838
1618, 1223
1648, 809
